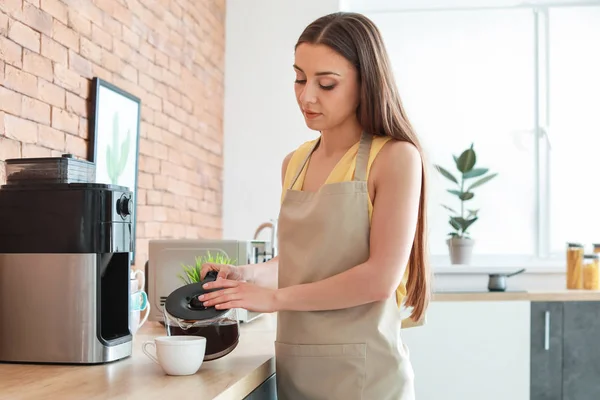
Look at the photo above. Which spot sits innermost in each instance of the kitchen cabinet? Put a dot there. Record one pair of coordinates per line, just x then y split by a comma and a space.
266, 391
565, 356
546, 350
472, 350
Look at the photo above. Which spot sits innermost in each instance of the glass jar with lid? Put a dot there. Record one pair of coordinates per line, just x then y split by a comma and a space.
574, 266
591, 269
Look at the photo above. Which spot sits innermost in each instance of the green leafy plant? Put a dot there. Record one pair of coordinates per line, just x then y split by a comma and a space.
465, 164
116, 157
192, 273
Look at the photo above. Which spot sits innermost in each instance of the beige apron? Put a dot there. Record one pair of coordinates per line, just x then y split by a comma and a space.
354, 353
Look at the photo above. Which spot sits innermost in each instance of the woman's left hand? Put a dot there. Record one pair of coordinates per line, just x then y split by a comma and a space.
236, 294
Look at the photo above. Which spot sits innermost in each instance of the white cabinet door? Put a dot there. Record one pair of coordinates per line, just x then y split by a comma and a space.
472, 351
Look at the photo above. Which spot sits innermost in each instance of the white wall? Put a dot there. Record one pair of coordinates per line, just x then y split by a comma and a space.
262, 122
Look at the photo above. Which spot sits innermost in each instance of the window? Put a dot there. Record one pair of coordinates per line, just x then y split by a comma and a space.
523, 86
574, 125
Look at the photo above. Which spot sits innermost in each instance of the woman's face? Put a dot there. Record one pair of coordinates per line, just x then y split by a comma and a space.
326, 86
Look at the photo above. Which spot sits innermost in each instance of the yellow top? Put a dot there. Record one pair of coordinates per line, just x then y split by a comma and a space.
343, 171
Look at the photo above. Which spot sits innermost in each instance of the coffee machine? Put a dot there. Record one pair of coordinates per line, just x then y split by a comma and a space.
65, 245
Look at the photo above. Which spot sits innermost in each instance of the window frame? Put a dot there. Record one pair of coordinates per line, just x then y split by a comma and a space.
543, 259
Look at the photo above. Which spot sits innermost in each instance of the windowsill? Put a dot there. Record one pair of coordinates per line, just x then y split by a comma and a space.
487, 270
498, 264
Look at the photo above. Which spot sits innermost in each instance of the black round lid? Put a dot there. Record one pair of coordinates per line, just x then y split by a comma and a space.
183, 302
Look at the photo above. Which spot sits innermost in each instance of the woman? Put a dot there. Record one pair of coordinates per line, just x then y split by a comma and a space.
351, 227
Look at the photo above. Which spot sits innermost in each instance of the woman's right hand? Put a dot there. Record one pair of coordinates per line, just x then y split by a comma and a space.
225, 271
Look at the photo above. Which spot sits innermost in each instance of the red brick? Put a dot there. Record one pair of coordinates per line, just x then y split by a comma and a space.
54, 50
3, 24
79, 23
145, 180
102, 38
160, 214
90, 11
83, 128
37, 19
76, 105
152, 230
10, 52
80, 65
10, 101
24, 35
122, 50
131, 38
11, 7
51, 138
9, 148
162, 59
141, 196
51, 94
169, 200
66, 78
90, 51
161, 182
56, 8
147, 115
35, 110
65, 121
110, 61
123, 14
65, 36
84, 87
20, 81
154, 198
76, 146
130, 73
37, 65
149, 164
147, 51
102, 73
20, 129
34, 150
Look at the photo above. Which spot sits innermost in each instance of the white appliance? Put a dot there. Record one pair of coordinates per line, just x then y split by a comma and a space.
166, 257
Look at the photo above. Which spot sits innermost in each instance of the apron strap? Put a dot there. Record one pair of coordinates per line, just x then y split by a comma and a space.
362, 158
299, 171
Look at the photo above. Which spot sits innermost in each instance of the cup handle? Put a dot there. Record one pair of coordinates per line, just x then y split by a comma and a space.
145, 302
142, 279
147, 352
145, 316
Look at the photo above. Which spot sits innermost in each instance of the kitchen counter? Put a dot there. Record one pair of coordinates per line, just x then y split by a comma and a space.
551, 295
137, 377
232, 377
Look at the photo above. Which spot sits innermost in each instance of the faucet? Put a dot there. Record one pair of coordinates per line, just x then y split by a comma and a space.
272, 224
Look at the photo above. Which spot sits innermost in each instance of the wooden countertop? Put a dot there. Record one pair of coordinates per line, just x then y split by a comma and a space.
137, 377
551, 295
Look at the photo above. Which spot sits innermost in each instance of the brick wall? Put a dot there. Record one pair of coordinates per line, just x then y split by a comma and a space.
169, 53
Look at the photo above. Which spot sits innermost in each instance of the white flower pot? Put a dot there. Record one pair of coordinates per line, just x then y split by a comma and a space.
461, 250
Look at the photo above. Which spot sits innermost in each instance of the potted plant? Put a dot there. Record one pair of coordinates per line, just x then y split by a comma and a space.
459, 242
191, 273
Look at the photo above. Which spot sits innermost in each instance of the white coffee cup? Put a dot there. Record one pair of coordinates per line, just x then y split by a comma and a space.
135, 282
177, 355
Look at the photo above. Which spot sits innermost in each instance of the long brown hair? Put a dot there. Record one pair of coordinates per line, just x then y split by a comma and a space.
380, 112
